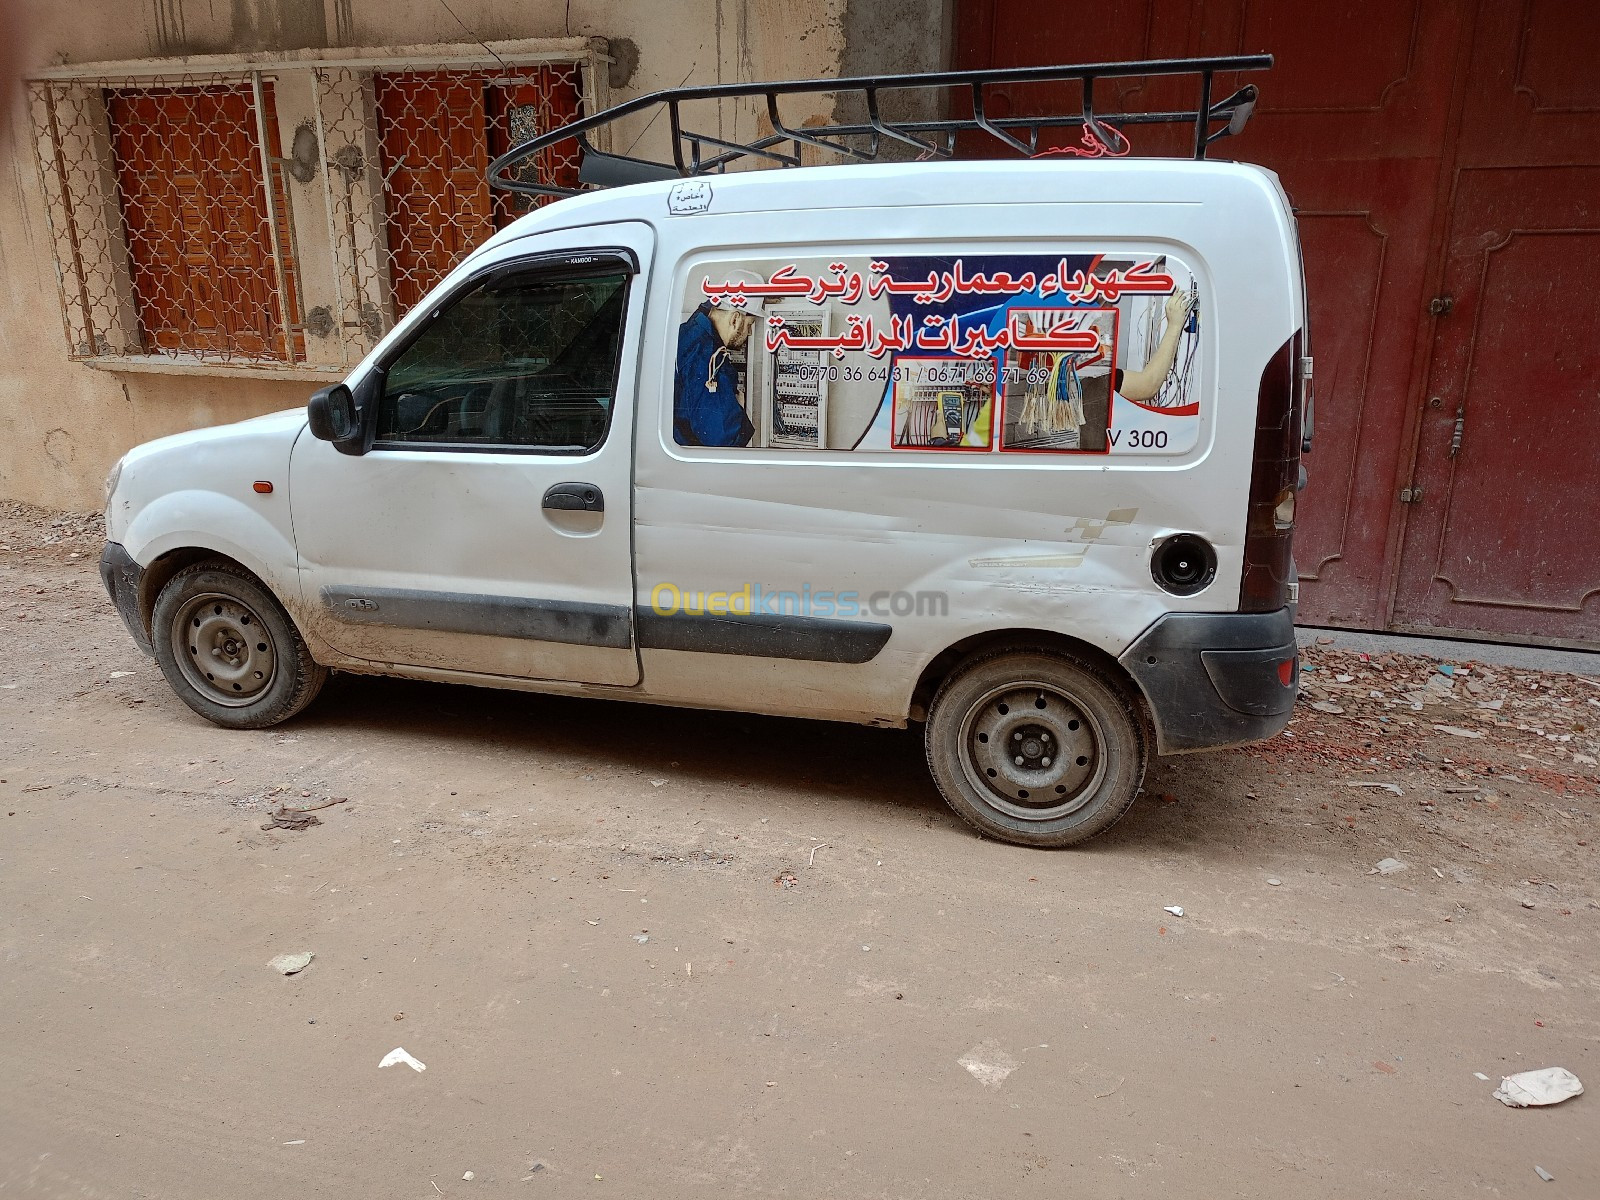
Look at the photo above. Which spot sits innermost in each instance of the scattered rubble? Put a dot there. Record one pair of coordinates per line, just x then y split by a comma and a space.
1391, 711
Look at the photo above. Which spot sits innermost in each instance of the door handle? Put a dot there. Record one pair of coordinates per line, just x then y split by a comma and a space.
574, 497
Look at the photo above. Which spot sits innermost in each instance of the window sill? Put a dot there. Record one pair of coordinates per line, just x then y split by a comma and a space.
161, 364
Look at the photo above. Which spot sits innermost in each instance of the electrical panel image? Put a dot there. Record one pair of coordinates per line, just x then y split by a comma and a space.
797, 415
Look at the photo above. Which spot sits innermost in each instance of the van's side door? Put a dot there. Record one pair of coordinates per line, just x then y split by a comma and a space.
489, 528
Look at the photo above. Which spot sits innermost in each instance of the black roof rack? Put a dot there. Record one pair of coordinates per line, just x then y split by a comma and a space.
695, 153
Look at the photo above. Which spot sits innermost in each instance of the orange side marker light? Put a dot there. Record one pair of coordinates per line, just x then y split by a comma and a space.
264, 486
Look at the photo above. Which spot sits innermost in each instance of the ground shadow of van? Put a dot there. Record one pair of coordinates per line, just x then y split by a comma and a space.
882, 770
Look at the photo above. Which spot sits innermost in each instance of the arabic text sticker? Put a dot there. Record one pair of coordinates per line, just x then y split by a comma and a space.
1062, 354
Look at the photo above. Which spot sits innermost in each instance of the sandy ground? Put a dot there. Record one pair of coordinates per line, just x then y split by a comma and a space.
656, 953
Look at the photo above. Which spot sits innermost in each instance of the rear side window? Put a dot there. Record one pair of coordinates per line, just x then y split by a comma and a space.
523, 362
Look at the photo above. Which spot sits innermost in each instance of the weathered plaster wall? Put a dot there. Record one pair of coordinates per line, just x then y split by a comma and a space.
896, 37
62, 424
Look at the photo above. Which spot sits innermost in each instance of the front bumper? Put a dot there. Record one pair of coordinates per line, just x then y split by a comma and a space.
122, 577
1216, 679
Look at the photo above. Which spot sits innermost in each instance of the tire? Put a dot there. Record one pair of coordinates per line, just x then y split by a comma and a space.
229, 650
1034, 702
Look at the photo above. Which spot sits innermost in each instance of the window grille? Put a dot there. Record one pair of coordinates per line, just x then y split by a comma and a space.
284, 214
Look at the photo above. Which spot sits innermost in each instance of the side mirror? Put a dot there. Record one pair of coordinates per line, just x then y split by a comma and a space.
333, 417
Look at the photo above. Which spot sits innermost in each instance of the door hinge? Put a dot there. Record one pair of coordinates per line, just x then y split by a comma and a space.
1440, 306
1410, 495
1459, 429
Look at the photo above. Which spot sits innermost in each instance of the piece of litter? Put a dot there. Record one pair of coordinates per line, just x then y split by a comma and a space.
296, 1142
398, 1055
1543, 1174
866, 947
1372, 783
291, 964
1175, 909
1481, 1075
658, 783
812, 861
119, 674
285, 817
1438, 872
1327, 706
1389, 866
641, 938
1457, 731
988, 1064
468, 1176
1528, 1089
1446, 669
1343, 678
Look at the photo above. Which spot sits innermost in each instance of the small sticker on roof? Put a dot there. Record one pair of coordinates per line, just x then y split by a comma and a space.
689, 197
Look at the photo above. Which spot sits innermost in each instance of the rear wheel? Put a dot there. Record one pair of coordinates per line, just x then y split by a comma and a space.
1035, 748
229, 650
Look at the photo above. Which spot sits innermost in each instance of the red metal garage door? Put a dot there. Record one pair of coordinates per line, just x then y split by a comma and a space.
1505, 537
1359, 118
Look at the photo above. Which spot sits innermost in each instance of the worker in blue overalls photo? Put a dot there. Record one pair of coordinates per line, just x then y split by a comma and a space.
705, 381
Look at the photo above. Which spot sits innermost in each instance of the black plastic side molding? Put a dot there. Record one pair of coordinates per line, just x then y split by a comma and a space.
757, 635
568, 622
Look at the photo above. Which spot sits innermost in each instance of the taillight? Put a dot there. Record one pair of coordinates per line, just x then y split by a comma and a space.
1274, 474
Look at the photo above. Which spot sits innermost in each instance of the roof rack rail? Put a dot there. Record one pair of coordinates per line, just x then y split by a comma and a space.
695, 153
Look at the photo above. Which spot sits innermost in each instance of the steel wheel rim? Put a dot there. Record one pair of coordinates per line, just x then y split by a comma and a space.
1059, 741
223, 649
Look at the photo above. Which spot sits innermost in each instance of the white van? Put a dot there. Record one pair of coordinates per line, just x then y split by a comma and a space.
1009, 449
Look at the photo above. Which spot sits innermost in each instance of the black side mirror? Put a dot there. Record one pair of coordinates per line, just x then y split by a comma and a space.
333, 417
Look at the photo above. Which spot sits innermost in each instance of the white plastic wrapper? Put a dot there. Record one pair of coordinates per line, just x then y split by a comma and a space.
1527, 1089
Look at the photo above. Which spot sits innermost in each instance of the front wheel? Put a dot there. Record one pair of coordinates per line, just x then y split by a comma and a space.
1035, 748
229, 650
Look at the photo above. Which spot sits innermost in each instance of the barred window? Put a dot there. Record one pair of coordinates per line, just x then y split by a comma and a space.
285, 214
205, 243
437, 134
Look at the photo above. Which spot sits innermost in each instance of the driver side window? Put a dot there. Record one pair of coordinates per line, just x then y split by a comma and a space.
525, 361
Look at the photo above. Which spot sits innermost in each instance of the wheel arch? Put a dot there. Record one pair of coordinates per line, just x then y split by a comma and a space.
166, 565
942, 665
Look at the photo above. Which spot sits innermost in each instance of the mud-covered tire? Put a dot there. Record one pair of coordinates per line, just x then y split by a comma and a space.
1082, 744
229, 650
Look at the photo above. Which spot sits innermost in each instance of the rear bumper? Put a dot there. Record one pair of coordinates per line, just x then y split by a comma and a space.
122, 577
1216, 679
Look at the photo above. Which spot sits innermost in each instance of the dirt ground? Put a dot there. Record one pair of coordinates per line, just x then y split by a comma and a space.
657, 953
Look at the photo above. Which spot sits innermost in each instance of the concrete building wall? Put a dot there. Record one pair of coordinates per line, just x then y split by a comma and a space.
63, 423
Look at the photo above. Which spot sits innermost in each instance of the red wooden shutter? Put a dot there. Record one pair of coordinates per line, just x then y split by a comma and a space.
194, 208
